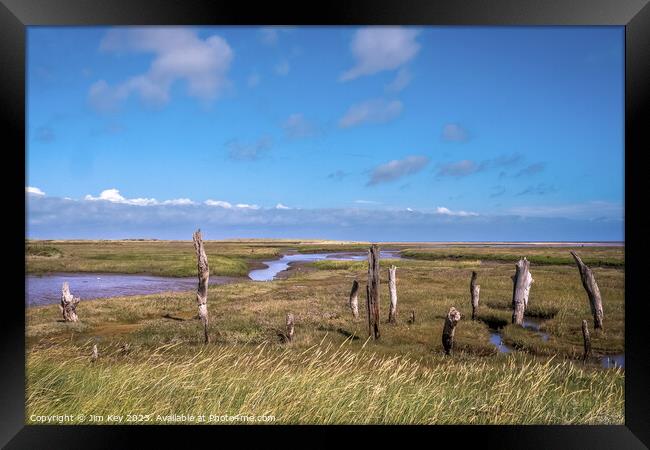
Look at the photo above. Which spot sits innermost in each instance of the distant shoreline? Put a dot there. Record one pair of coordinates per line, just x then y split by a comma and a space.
327, 241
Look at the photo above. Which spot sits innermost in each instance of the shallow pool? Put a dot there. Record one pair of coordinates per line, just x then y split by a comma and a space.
276, 266
46, 289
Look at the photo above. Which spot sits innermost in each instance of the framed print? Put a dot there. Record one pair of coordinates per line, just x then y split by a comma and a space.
368, 214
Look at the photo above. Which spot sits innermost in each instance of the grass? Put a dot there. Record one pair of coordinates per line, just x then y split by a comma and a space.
323, 384
40, 250
164, 258
236, 257
593, 256
174, 259
329, 373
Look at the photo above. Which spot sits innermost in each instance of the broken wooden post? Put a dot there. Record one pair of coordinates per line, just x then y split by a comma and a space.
204, 275
587, 339
448, 331
372, 292
354, 299
589, 283
522, 280
411, 319
289, 327
474, 290
392, 285
68, 306
95, 354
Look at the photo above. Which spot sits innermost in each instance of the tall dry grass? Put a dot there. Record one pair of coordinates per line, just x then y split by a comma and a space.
322, 384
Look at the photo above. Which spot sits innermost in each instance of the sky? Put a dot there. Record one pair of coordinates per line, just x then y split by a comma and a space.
359, 133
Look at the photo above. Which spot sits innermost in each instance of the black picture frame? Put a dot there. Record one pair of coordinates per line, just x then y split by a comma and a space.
634, 15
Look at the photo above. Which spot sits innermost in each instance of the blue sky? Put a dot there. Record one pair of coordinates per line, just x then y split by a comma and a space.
435, 133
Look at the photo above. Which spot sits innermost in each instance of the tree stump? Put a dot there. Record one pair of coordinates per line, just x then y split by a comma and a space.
587, 339
354, 299
204, 276
372, 292
522, 280
392, 285
589, 283
453, 316
474, 290
290, 329
68, 306
411, 319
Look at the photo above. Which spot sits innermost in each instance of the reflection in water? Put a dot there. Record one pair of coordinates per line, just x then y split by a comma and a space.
530, 323
534, 324
42, 290
613, 361
276, 266
495, 338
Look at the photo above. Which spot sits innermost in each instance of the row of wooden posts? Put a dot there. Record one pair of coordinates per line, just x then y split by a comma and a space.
522, 281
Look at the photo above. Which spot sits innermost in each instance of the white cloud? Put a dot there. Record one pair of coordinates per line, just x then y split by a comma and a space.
282, 68
371, 111
179, 55
381, 48
114, 196
449, 212
219, 203
178, 201
228, 205
409, 209
281, 206
33, 191
53, 218
397, 168
402, 79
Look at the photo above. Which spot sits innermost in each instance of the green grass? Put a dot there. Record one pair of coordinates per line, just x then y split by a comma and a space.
329, 373
174, 259
593, 256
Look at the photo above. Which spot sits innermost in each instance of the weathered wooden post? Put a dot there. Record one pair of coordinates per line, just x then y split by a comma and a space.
354, 299
474, 290
522, 280
68, 306
453, 316
392, 285
372, 292
587, 339
204, 276
411, 319
289, 327
589, 283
